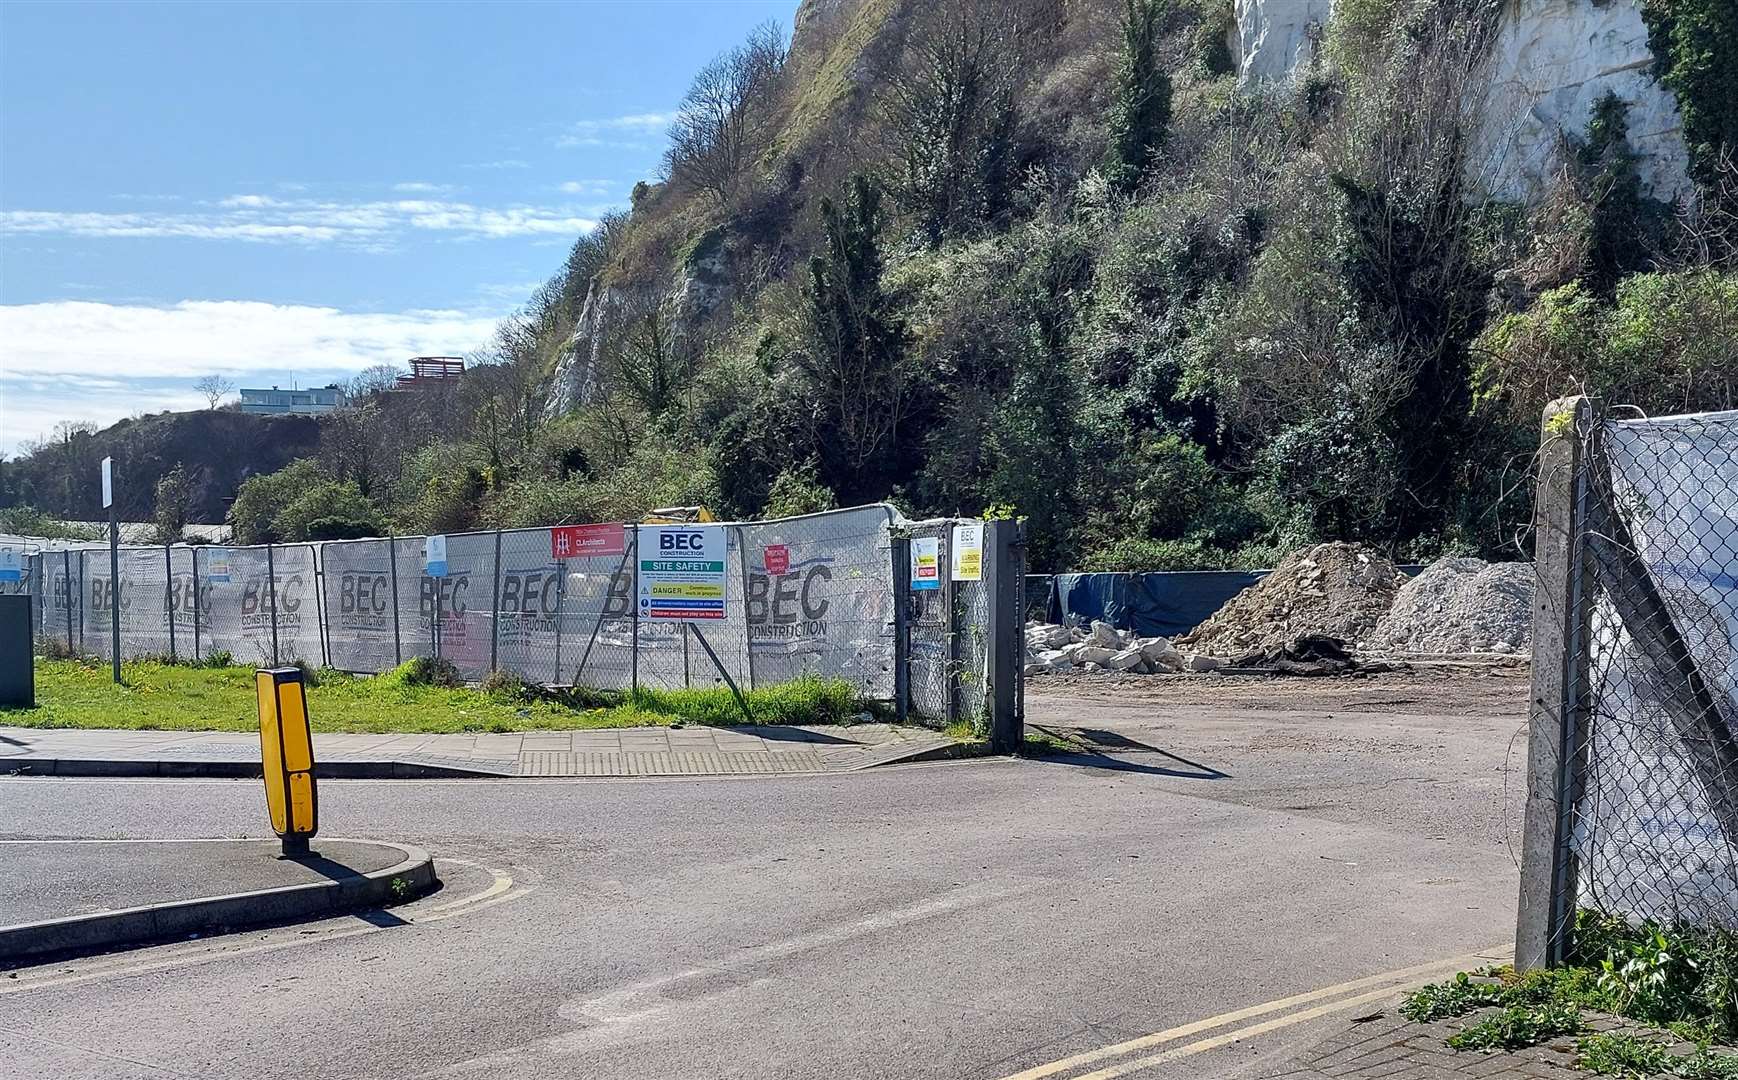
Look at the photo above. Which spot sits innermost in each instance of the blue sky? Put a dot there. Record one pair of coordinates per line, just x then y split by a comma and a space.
297, 191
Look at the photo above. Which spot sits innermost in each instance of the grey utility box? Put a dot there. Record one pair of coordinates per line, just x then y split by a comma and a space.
17, 671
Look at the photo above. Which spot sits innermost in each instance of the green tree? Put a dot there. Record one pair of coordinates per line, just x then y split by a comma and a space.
260, 499
1141, 110
333, 510
1612, 183
795, 491
856, 369
170, 508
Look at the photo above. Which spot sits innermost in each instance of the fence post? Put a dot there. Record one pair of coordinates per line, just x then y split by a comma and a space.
1003, 541
272, 592
67, 593
951, 628
634, 603
747, 633
392, 561
198, 604
495, 610
1556, 741
169, 595
320, 619
901, 548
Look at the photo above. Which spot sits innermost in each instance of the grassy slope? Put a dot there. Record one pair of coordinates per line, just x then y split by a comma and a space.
171, 698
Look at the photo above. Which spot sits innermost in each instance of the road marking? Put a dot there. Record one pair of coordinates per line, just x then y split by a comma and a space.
1388, 981
190, 953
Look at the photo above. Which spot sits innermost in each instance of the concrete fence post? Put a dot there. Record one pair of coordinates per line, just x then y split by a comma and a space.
1557, 728
1004, 575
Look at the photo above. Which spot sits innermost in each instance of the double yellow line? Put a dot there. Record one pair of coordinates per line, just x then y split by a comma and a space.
1333, 999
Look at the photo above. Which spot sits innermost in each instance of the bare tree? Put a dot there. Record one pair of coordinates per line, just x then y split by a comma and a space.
720, 125
213, 387
372, 380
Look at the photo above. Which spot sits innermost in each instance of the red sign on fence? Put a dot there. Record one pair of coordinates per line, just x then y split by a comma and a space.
574, 541
778, 559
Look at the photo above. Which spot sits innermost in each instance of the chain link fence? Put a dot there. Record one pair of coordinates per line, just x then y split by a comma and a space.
1633, 798
809, 595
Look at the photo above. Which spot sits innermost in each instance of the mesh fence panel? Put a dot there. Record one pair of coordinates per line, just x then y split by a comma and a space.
810, 595
357, 579
1655, 823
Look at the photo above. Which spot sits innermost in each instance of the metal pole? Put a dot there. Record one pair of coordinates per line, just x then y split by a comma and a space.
320, 608
634, 603
115, 590
901, 547
439, 611
169, 595
747, 636
81, 579
272, 590
950, 628
741, 701
495, 610
560, 614
66, 592
1002, 540
397, 644
198, 603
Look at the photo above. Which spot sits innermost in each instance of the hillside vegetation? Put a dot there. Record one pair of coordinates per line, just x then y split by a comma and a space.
1047, 257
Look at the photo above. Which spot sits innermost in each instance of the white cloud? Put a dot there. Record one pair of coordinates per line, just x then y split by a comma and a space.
268, 219
422, 187
75, 360
504, 163
597, 132
585, 187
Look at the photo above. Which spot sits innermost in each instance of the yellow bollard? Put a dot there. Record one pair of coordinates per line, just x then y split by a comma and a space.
287, 757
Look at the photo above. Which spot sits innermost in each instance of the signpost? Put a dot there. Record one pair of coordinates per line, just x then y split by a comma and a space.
434, 564
114, 569
680, 570
11, 564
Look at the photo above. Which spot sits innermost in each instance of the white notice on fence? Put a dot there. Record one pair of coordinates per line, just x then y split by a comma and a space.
968, 552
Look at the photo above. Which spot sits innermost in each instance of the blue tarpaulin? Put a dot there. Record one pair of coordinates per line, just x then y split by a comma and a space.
1152, 605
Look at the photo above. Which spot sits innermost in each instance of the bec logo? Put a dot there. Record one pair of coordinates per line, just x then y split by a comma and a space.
681, 541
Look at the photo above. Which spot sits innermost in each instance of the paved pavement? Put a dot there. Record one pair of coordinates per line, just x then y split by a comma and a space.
53, 879
1387, 1047
657, 751
982, 919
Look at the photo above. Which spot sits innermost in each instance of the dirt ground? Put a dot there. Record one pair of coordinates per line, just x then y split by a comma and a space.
1441, 749
1497, 690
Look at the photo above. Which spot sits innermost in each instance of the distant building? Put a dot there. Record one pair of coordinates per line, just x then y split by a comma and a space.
425, 370
315, 400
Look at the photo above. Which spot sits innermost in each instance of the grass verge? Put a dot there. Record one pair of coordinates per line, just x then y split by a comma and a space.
172, 697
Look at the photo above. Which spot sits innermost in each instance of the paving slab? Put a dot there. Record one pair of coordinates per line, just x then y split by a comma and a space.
67, 897
686, 751
49, 879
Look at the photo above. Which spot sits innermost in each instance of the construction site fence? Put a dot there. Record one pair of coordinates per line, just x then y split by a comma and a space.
813, 595
1633, 754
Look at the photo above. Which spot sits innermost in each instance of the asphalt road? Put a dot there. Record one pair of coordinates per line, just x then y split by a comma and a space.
958, 920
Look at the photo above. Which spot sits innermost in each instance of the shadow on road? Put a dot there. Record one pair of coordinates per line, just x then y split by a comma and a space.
1103, 749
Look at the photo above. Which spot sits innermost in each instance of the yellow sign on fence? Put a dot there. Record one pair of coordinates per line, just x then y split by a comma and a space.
287, 756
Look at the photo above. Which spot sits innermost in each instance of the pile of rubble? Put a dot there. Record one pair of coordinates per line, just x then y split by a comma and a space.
1462, 606
1330, 590
1055, 649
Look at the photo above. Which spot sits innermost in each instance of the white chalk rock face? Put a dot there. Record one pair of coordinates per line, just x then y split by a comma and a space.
1551, 62
1275, 38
